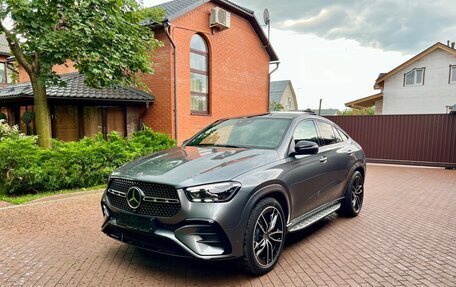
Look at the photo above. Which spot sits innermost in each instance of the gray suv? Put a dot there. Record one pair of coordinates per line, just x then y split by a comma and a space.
236, 189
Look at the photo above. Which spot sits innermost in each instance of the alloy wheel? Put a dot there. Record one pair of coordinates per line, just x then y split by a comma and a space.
357, 193
268, 236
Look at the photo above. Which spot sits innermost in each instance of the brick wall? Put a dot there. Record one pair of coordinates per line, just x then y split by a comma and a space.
159, 114
238, 67
59, 69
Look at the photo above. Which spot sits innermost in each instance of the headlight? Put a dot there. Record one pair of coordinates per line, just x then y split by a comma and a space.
217, 192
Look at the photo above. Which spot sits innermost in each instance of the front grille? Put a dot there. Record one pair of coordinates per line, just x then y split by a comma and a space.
155, 190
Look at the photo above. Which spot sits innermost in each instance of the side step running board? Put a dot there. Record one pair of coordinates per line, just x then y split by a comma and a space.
306, 221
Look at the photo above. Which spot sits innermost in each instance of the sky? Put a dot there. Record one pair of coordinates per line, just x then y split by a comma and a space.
334, 50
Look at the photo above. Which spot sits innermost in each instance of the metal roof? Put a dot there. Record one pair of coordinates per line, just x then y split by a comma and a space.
75, 88
277, 89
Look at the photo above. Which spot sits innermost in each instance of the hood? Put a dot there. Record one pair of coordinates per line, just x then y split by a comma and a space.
188, 166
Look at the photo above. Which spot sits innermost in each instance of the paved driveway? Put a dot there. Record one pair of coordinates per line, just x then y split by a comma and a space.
405, 235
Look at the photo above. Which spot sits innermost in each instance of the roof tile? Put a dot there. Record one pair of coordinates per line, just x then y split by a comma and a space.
75, 88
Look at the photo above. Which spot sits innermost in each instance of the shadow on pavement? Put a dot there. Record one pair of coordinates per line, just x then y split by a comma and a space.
212, 270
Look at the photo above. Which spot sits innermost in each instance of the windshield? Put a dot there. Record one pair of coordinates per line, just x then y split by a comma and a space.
264, 133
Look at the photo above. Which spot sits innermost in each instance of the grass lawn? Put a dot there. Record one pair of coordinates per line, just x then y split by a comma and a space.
19, 199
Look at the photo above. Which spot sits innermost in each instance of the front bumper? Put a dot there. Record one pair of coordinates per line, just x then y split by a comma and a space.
202, 230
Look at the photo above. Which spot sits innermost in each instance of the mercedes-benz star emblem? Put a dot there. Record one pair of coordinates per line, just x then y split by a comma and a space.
134, 197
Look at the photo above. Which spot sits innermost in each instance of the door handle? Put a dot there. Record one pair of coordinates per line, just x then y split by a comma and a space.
323, 159
349, 152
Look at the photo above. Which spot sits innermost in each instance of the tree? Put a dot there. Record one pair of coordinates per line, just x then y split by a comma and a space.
354, 112
105, 39
275, 107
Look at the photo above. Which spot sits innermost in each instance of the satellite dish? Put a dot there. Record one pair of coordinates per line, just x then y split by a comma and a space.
266, 17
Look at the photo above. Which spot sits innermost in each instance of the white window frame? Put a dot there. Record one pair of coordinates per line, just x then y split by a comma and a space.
452, 67
414, 80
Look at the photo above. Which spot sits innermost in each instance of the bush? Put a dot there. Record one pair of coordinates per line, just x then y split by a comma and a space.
25, 168
8, 132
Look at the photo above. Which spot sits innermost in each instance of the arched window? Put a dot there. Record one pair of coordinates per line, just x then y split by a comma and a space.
199, 75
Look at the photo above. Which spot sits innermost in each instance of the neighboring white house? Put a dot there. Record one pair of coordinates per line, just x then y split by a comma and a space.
425, 84
282, 92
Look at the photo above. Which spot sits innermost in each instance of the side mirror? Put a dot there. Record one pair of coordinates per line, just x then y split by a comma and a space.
306, 147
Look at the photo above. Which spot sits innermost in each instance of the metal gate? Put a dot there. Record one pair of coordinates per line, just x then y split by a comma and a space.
404, 139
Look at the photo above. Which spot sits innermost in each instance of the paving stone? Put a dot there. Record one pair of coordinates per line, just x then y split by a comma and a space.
404, 236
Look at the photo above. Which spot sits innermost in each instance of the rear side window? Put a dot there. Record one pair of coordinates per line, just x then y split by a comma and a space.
338, 137
342, 134
327, 135
306, 131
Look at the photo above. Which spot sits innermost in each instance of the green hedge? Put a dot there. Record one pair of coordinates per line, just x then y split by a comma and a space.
25, 168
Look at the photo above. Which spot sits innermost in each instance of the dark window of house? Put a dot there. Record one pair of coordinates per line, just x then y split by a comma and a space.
2, 73
306, 131
199, 75
6, 73
327, 135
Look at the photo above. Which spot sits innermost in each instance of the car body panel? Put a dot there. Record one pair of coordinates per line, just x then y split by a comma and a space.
187, 166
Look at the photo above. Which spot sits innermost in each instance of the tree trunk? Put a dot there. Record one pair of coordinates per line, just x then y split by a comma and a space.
42, 115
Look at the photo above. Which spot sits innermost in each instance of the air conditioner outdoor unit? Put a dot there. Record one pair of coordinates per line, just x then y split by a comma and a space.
220, 18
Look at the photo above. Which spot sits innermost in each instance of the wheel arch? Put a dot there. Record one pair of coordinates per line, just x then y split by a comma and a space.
276, 191
358, 166
361, 169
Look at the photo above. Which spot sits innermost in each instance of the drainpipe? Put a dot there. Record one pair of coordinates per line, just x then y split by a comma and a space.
167, 27
269, 82
141, 116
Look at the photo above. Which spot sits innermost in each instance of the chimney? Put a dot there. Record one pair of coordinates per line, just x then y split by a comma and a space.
452, 45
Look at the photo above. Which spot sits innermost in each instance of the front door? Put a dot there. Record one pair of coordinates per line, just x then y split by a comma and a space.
308, 172
334, 150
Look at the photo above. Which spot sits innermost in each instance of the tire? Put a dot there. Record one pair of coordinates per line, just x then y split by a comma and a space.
354, 196
264, 237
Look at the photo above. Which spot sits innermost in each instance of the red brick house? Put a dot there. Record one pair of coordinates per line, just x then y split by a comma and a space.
205, 70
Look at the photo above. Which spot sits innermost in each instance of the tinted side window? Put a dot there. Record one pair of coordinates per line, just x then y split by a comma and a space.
306, 131
343, 135
327, 135
338, 136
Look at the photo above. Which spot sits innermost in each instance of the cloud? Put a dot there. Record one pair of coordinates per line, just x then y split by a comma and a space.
401, 25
